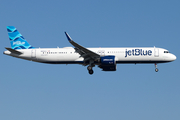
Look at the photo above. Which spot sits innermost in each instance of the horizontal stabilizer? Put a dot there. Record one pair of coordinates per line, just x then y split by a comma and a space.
14, 51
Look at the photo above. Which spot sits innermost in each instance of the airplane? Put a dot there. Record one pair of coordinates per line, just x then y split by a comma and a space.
104, 58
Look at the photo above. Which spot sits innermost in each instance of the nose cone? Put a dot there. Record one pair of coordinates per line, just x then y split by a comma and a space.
173, 57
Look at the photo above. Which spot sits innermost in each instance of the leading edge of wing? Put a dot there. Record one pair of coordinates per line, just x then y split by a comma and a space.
84, 52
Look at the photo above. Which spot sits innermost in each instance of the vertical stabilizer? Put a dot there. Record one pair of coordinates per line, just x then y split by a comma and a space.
17, 40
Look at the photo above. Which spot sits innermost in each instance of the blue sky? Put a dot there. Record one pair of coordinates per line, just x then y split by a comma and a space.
38, 91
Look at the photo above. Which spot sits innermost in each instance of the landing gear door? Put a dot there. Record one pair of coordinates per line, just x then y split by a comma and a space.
156, 52
33, 53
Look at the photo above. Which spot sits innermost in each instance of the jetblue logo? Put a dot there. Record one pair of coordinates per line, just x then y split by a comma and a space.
19, 43
138, 52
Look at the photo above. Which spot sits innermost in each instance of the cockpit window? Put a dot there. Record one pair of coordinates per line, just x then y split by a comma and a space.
166, 51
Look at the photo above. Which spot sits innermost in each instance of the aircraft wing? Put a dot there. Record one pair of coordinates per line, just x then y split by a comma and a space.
84, 52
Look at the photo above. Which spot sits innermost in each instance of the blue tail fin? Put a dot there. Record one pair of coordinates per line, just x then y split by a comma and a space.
17, 40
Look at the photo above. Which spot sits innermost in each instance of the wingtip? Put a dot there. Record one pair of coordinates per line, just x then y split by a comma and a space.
68, 37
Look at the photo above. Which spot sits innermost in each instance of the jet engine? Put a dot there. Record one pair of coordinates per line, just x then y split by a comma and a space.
108, 63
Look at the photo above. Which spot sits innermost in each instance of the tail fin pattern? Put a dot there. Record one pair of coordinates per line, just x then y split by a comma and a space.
17, 40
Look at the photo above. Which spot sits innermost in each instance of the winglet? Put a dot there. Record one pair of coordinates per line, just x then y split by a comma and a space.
68, 37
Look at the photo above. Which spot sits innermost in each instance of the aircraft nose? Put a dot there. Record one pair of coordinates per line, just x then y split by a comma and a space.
173, 57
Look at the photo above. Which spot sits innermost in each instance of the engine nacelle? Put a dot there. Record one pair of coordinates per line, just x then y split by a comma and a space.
108, 63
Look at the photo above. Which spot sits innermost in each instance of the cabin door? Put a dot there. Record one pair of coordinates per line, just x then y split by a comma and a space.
156, 52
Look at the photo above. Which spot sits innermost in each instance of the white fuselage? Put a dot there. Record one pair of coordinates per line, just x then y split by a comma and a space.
68, 55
